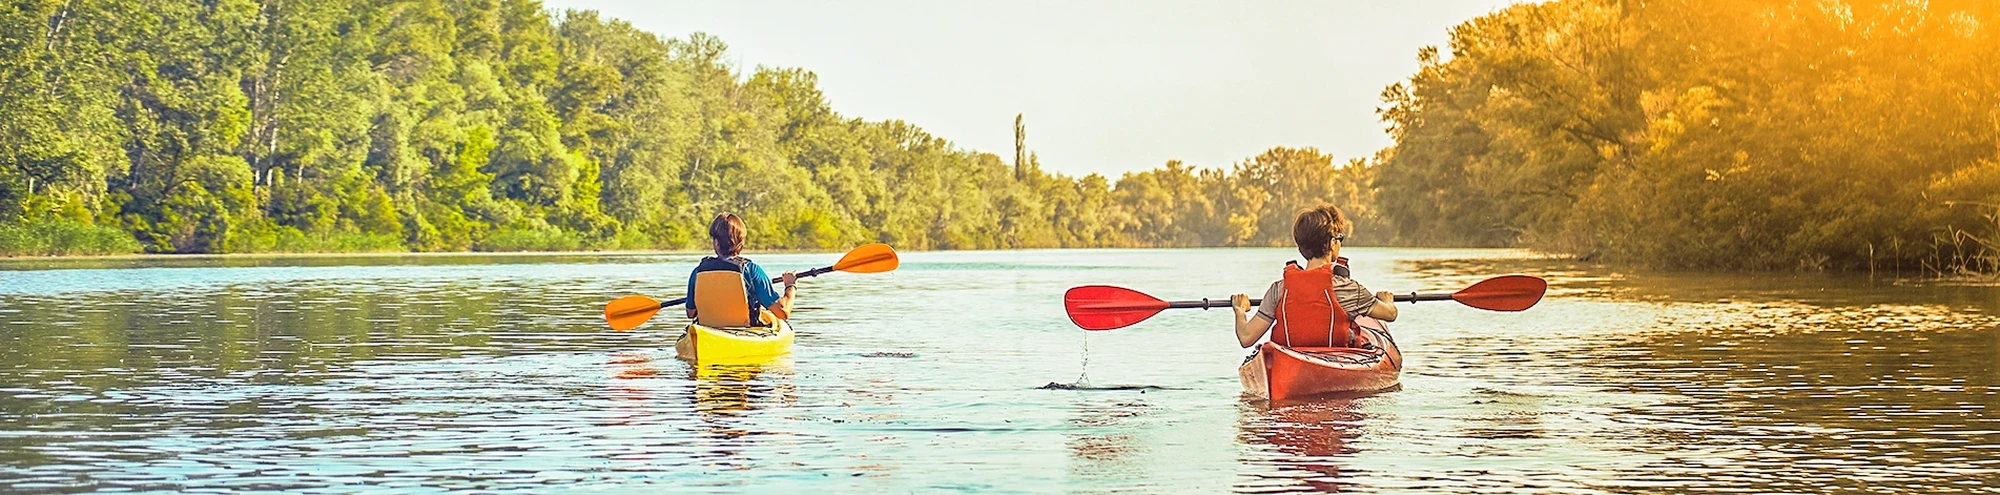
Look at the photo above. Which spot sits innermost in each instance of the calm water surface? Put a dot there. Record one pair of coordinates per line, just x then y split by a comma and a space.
495, 374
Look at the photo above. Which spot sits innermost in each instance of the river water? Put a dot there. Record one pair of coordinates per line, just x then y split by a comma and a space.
487, 373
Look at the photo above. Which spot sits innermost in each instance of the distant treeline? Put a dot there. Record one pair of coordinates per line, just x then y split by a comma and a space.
431, 125
1686, 133
1751, 134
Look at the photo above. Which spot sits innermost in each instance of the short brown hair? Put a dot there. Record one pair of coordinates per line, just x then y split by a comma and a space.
1315, 227
727, 232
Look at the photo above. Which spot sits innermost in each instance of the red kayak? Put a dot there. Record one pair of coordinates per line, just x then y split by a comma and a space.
1278, 372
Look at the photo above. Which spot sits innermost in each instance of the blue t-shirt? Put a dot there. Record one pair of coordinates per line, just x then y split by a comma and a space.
759, 284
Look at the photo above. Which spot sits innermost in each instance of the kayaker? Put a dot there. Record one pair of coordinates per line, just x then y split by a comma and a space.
729, 290
1310, 321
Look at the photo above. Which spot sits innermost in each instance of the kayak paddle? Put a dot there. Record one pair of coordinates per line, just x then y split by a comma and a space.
1104, 307
626, 313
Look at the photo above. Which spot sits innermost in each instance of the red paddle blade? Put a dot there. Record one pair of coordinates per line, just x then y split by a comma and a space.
1103, 307
1503, 293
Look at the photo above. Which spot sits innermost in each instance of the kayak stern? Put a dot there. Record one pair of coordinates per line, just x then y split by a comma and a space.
702, 343
1278, 372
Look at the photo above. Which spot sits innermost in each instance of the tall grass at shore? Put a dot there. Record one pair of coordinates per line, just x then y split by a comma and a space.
58, 237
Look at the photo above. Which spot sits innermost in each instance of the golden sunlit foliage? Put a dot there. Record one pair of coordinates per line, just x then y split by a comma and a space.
1708, 133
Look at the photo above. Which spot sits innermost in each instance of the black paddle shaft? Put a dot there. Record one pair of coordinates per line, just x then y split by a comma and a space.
808, 273
1206, 303
1224, 303
1415, 297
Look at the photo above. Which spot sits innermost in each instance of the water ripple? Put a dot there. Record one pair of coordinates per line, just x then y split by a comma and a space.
494, 374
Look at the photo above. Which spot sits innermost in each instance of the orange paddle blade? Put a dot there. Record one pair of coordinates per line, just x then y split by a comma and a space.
1504, 293
626, 313
871, 258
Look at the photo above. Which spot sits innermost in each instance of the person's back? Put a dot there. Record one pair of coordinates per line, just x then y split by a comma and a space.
1313, 305
728, 290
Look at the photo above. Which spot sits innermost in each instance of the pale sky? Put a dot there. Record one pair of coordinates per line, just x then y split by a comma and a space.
1106, 86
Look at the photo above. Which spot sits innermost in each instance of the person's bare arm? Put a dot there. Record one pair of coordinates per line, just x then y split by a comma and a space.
783, 309
1385, 307
1250, 330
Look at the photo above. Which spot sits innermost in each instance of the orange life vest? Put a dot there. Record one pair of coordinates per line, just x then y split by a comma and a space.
1310, 315
720, 295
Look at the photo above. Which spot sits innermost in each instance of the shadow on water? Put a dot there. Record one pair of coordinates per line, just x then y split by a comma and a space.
1092, 387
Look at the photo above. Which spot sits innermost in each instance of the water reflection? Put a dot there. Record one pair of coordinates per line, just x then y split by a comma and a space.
1784, 382
1575, 279
1862, 403
1102, 446
729, 389
1297, 446
489, 374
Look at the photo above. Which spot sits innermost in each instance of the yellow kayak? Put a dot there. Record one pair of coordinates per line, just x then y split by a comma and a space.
706, 344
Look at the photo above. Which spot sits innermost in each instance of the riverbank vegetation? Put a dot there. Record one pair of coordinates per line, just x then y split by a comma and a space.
1752, 134
426, 125
60, 237
1686, 133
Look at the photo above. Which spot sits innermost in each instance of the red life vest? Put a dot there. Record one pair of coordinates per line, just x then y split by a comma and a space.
1310, 315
